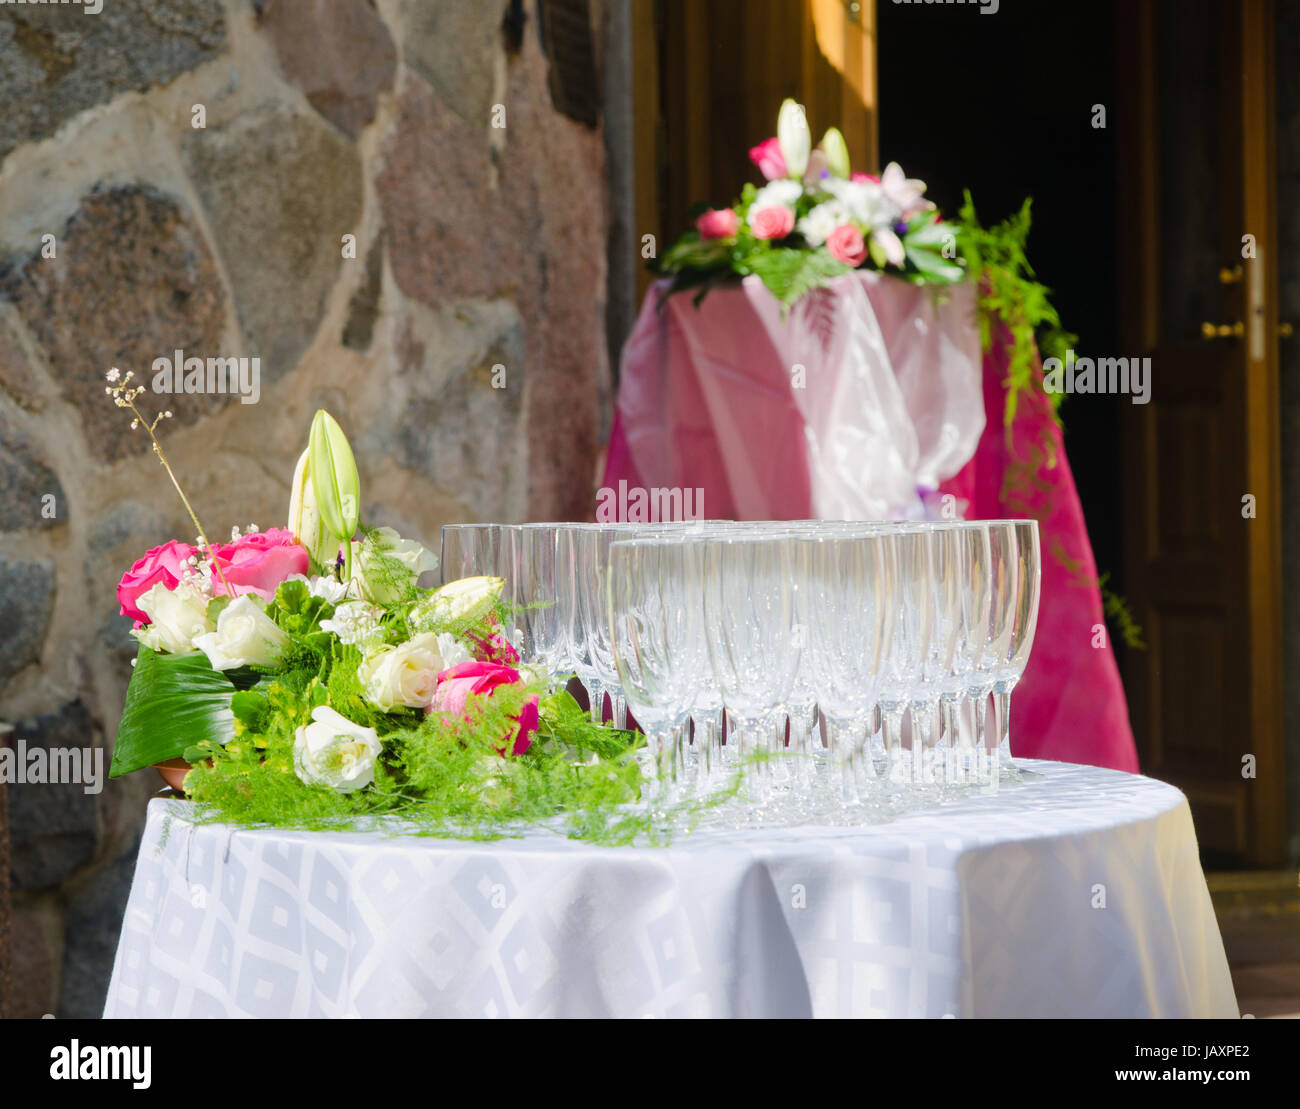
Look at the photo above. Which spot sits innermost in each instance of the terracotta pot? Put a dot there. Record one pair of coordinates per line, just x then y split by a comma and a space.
173, 772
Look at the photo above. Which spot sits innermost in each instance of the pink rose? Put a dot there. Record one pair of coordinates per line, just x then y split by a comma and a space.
847, 245
494, 646
457, 685
163, 565
259, 561
769, 159
774, 222
717, 223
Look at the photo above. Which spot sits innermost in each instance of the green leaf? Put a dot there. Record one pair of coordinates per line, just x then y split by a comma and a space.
250, 709
334, 476
789, 273
928, 232
934, 265
692, 252
174, 702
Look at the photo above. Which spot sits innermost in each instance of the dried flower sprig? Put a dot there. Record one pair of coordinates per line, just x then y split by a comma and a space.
124, 395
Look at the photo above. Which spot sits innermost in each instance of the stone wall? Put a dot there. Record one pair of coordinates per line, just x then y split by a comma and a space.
182, 175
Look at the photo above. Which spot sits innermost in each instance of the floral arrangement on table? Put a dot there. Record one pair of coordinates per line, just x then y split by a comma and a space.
309, 680
815, 219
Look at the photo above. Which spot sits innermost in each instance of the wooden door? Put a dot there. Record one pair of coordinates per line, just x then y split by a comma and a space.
1203, 496
709, 79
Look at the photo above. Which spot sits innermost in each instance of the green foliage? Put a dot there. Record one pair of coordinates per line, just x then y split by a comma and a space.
789, 273
1011, 297
1120, 614
438, 776
1114, 606
172, 703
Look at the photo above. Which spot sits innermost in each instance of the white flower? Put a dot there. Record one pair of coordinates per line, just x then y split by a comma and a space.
453, 654
818, 224
794, 137
384, 567
354, 622
406, 675
908, 193
245, 636
176, 616
781, 193
459, 602
327, 588
865, 201
332, 751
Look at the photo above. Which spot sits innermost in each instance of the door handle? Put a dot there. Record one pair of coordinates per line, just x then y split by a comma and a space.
1223, 330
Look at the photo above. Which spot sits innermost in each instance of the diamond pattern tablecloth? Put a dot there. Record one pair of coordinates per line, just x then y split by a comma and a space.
1078, 893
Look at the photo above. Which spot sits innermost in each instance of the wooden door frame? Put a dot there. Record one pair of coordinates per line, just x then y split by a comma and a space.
1260, 435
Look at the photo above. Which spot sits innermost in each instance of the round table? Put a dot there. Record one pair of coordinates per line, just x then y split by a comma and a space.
1076, 893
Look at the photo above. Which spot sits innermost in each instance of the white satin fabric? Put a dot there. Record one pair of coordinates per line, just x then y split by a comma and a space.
882, 379
1078, 894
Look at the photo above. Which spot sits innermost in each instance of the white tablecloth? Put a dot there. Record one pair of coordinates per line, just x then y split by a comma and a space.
1075, 894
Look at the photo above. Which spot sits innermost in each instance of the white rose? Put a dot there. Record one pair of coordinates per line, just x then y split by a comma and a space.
355, 622
176, 617
459, 602
332, 751
245, 636
818, 224
384, 567
453, 653
403, 675
780, 192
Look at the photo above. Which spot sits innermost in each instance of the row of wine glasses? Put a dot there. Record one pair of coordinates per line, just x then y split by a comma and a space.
845, 658
554, 578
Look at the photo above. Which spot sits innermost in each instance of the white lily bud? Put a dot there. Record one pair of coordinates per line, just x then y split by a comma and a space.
794, 138
304, 519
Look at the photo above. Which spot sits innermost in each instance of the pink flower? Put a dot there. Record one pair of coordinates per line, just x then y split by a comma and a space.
863, 178
774, 222
907, 193
259, 561
479, 679
847, 245
717, 223
494, 646
162, 565
769, 159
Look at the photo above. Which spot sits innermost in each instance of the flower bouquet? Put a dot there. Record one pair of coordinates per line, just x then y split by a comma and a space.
815, 219
310, 681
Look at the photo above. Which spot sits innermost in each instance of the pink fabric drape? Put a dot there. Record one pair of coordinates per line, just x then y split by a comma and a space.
706, 402
1070, 704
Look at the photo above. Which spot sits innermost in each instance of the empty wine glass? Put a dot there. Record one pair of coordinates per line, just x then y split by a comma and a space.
470, 550
653, 612
845, 606
970, 563
940, 585
912, 609
1023, 622
753, 646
